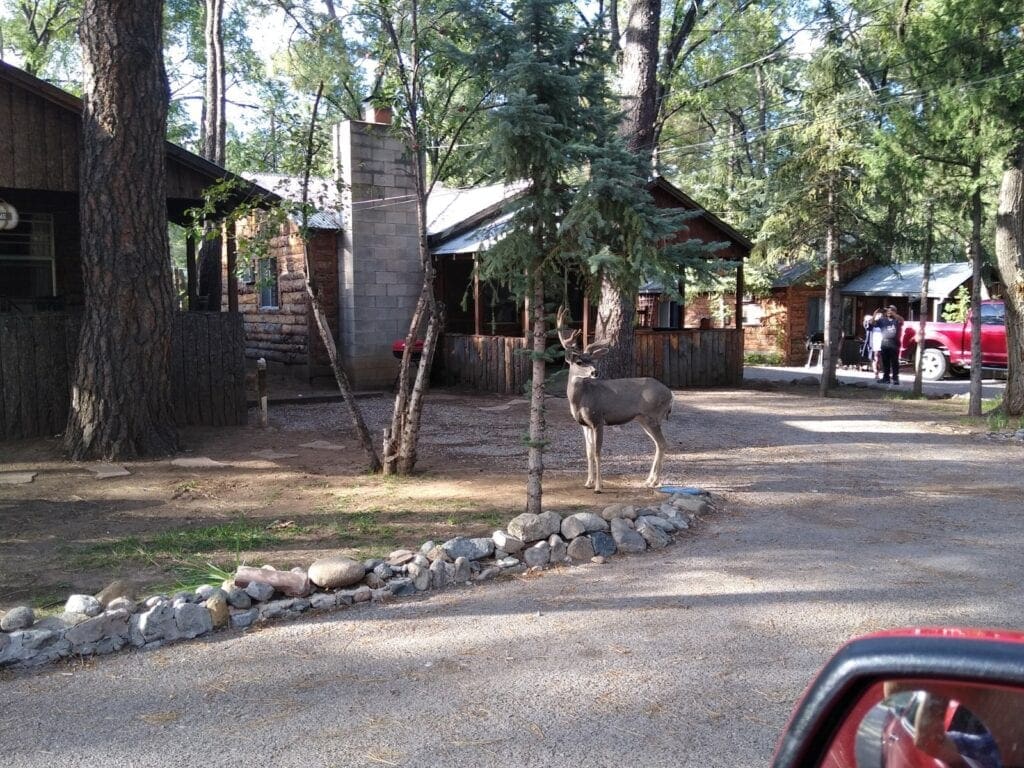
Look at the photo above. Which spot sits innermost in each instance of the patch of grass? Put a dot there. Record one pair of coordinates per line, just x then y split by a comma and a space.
183, 544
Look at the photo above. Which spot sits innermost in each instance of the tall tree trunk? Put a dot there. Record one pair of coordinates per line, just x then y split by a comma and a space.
638, 75
929, 240
1010, 256
121, 403
535, 459
211, 267
214, 119
830, 347
974, 403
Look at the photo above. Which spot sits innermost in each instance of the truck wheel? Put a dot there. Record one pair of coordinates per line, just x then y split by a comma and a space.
933, 364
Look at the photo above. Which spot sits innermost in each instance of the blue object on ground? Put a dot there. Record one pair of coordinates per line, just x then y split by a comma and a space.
689, 490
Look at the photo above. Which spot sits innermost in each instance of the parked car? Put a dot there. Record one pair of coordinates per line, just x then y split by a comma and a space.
947, 346
913, 698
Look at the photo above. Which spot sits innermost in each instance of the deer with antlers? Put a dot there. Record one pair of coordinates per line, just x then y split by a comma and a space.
595, 403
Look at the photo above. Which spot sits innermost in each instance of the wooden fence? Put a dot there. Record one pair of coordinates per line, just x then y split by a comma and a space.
680, 358
37, 359
499, 364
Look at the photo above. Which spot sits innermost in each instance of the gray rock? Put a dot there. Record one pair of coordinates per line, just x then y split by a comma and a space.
603, 543
105, 633
193, 620
345, 596
86, 604
205, 591
507, 543
626, 539
369, 565
373, 581
657, 522
488, 573
122, 604
149, 602
217, 605
56, 623
655, 537
259, 591
580, 548
72, 619
114, 590
612, 511
335, 572
439, 574
420, 576
361, 595
507, 562
421, 560
301, 604
581, 523
21, 617
436, 553
279, 609
558, 550
599, 559
471, 549
529, 527
402, 587
463, 571
322, 601
381, 595
537, 555
33, 647
240, 619
239, 598
427, 546
689, 503
157, 623
383, 570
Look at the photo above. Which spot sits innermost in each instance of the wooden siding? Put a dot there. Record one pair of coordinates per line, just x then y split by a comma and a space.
679, 359
37, 357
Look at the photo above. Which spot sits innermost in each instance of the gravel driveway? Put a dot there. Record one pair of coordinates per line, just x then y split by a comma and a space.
839, 517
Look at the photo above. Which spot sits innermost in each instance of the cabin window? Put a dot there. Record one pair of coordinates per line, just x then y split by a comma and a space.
266, 282
815, 315
27, 265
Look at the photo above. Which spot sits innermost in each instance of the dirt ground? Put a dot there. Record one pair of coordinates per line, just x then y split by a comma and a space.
164, 524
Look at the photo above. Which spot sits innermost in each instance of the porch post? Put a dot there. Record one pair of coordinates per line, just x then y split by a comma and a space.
739, 296
477, 309
231, 245
190, 272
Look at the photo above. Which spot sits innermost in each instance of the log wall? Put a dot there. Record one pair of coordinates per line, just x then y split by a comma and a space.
37, 358
499, 364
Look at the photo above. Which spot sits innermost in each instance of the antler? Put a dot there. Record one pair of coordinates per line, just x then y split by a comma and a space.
570, 341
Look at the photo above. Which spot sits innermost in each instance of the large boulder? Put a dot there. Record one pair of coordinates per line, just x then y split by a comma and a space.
529, 527
336, 572
626, 538
581, 523
471, 549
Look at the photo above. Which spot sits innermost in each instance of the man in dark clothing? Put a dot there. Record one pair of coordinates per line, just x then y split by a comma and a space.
891, 326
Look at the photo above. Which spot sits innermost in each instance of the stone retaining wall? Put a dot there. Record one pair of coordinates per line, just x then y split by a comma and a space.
113, 620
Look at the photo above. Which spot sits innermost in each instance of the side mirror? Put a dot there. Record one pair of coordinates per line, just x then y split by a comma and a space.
939, 698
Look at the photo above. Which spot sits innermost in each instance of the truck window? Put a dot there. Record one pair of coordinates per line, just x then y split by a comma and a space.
993, 314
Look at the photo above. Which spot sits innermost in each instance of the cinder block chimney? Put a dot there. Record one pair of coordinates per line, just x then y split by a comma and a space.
379, 270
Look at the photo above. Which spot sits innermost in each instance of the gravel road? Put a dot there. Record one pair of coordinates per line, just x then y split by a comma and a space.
839, 517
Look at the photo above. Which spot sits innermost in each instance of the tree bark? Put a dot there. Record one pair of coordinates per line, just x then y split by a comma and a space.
1010, 256
121, 403
211, 279
214, 119
929, 240
974, 403
830, 347
535, 459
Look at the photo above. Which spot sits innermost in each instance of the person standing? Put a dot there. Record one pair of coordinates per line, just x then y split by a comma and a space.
875, 340
890, 325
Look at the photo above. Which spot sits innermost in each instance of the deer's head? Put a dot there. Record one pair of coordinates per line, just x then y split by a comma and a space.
582, 361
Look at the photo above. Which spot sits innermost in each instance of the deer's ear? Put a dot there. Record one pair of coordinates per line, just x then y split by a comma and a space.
597, 351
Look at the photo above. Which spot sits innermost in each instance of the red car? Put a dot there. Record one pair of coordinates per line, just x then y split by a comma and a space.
931, 698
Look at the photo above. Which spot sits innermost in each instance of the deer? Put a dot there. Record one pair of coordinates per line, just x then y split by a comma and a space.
595, 403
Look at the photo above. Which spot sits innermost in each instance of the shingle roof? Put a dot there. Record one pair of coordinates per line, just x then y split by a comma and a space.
905, 280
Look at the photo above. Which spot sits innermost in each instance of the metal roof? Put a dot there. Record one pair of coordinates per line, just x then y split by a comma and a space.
905, 280
448, 208
477, 239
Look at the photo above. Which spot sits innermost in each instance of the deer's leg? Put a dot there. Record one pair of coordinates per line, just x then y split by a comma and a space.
653, 430
588, 442
598, 432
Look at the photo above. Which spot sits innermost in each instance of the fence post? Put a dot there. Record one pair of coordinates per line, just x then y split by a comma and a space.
261, 390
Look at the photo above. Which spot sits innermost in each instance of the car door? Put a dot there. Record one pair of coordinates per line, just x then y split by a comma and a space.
898, 750
993, 334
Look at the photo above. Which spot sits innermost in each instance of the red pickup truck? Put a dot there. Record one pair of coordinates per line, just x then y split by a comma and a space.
947, 346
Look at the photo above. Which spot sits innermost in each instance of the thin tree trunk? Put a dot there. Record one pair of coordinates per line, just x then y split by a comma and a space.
535, 460
214, 120
1010, 256
121, 401
974, 404
316, 307
929, 239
